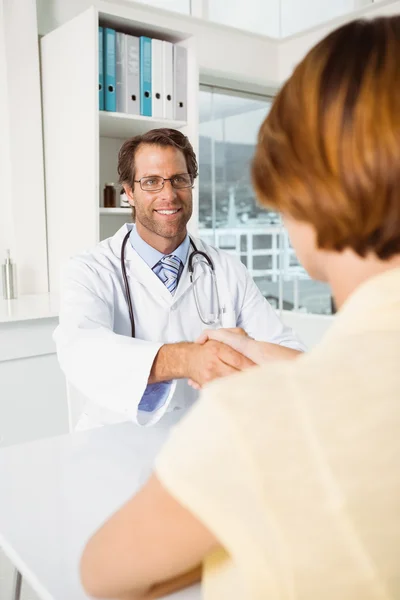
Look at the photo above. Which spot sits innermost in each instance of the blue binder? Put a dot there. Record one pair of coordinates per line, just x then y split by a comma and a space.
110, 97
145, 76
101, 72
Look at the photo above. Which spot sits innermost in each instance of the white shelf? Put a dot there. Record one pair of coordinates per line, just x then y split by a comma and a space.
122, 125
115, 211
26, 308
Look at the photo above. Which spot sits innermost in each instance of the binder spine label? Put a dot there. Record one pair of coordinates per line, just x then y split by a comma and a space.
133, 85
121, 72
145, 76
109, 70
101, 72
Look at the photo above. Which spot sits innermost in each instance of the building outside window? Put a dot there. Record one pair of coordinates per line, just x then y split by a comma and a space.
229, 215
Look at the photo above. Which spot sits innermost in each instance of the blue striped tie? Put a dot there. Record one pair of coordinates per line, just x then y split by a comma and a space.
168, 269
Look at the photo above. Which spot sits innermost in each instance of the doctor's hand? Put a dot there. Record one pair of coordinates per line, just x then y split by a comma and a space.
258, 352
212, 360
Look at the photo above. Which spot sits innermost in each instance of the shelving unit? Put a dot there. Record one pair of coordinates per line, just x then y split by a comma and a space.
81, 143
115, 211
122, 125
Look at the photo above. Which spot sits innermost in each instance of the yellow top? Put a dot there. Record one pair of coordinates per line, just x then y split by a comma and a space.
295, 467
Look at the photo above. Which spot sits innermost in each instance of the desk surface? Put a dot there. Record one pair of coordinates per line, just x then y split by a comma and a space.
56, 492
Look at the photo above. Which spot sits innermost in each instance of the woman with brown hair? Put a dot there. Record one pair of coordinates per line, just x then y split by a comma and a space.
284, 481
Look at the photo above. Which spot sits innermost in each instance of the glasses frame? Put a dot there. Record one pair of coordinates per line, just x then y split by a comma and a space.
185, 187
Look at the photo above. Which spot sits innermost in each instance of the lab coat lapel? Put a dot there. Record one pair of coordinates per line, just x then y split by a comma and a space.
185, 285
139, 272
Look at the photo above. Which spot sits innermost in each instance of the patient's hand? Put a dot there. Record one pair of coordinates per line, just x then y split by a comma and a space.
208, 334
236, 338
257, 352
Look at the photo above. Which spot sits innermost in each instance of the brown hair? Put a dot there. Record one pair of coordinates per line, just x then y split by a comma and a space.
157, 137
328, 153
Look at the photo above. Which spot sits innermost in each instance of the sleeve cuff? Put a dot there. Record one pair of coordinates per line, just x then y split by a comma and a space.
155, 402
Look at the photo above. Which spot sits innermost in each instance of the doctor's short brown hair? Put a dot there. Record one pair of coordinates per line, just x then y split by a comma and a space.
328, 153
156, 137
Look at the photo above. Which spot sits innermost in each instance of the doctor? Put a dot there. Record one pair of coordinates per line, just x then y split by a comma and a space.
132, 308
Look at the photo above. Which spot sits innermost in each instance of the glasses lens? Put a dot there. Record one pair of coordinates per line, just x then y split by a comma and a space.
184, 180
151, 184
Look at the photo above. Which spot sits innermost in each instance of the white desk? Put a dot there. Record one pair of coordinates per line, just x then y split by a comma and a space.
56, 492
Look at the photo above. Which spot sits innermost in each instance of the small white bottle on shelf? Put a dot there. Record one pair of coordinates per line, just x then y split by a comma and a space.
123, 199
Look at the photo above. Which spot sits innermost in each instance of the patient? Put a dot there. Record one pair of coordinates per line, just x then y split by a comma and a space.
283, 482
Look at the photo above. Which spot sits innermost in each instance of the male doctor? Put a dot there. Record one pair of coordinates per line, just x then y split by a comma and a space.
141, 378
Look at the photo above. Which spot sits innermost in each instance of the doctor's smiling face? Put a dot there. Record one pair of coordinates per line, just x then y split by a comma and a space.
162, 215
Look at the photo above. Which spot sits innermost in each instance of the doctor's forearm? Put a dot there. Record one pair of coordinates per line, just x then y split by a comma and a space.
200, 362
170, 362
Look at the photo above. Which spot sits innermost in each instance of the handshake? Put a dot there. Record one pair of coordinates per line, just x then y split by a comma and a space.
217, 353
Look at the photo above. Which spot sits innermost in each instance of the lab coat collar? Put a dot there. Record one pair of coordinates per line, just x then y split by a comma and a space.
116, 242
117, 239
152, 256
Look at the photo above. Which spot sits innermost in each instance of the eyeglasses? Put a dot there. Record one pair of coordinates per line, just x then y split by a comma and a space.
155, 183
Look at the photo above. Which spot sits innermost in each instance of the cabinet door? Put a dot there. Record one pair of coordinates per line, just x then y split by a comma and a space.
33, 400
71, 135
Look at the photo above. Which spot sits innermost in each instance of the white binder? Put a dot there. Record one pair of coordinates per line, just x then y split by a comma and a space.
168, 80
133, 85
156, 78
180, 83
121, 74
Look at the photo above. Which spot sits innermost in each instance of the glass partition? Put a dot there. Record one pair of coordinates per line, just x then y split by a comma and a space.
229, 215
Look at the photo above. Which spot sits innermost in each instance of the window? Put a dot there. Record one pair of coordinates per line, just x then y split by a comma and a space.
229, 216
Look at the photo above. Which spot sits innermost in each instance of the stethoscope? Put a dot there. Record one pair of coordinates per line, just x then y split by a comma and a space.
192, 261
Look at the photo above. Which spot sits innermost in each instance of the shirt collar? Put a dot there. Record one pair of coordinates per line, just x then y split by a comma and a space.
150, 255
373, 306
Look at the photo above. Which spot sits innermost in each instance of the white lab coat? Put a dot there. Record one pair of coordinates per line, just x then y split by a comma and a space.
93, 341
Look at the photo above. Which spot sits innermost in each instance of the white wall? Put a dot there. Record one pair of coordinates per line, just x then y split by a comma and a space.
298, 15
258, 16
22, 203
293, 49
181, 6
7, 239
